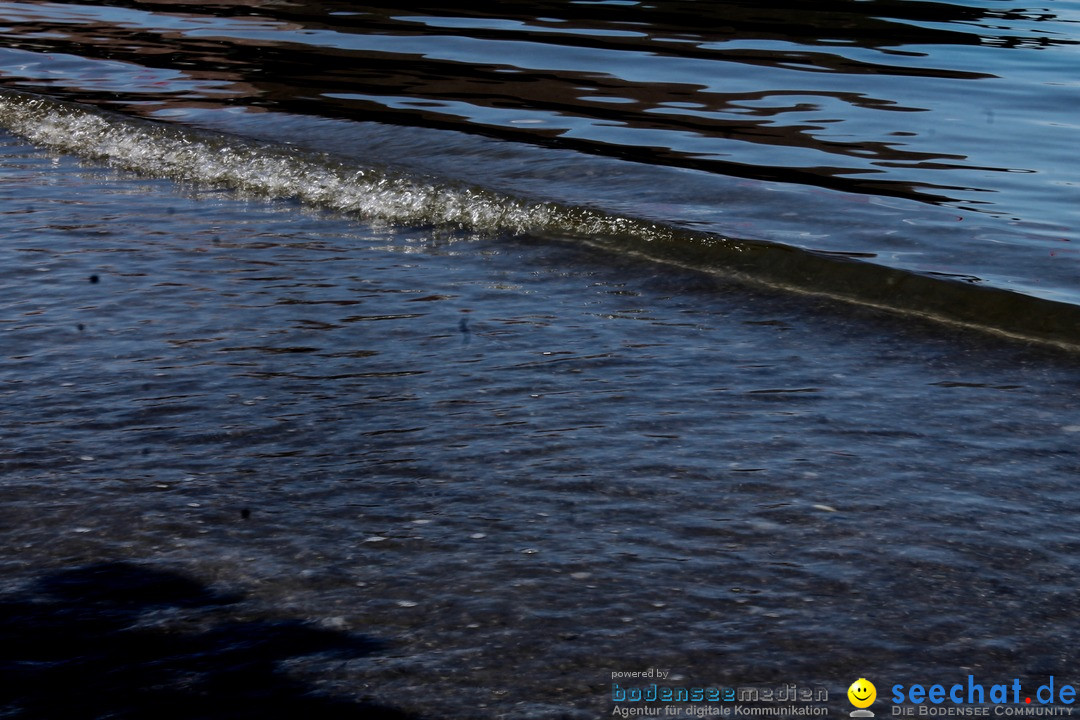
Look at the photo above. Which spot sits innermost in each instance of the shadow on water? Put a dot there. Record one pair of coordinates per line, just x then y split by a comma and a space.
77, 645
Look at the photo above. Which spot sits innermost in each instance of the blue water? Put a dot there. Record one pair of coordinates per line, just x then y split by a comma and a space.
425, 361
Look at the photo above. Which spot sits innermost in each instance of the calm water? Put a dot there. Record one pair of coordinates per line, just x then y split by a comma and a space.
421, 362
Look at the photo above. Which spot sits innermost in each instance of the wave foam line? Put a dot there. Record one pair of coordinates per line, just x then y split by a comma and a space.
162, 150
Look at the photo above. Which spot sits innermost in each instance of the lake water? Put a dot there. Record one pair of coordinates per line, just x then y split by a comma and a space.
435, 362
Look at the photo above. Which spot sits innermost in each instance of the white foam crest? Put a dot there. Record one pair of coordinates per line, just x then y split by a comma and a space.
283, 172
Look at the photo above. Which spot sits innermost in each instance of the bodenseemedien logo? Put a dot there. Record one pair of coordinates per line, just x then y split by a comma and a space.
862, 694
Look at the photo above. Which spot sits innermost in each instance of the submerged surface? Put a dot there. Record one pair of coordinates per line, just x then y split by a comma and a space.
384, 386
514, 466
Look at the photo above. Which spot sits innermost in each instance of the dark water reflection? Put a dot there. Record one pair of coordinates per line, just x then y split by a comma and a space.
676, 83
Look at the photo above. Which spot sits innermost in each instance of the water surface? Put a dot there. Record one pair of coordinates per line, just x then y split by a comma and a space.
423, 362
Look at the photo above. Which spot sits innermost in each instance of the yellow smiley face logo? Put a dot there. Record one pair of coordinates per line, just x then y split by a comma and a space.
862, 693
